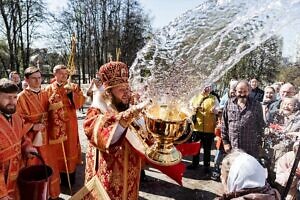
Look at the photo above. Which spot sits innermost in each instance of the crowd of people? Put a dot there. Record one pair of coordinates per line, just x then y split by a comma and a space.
264, 124
256, 130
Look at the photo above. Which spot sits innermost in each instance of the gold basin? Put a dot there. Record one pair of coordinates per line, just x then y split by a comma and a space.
166, 124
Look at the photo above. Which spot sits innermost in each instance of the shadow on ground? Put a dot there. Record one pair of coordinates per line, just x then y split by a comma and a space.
170, 190
197, 173
80, 174
196, 185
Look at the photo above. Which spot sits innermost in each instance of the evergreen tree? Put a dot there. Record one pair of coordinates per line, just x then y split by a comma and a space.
263, 63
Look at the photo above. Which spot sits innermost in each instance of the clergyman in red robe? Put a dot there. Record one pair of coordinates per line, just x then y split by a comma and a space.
110, 154
62, 121
32, 105
14, 144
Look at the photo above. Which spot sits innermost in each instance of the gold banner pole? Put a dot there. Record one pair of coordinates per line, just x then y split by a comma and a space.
118, 54
71, 69
71, 62
66, 165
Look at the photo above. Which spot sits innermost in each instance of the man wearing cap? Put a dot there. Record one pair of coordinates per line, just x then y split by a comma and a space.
110, 154
32, 105
64, 99
13, 140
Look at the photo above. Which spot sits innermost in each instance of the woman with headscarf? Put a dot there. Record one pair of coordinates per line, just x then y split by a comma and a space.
244, 178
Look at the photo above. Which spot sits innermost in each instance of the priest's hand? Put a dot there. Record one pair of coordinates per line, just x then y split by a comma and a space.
30, 149
129, 115
69, 88
69, 91
135, 98
38, 127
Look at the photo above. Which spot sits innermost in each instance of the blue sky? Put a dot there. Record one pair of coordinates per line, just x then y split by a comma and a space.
164, 11
161, 11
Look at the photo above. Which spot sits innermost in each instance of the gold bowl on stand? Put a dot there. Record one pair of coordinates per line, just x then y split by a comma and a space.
166, 123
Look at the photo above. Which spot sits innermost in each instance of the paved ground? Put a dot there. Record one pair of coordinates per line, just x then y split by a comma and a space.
158, 186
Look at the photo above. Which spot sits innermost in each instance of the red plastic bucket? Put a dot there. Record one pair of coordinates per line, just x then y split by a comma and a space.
34, 182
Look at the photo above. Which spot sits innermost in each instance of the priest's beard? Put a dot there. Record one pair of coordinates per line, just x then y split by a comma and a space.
120, 106
8, 109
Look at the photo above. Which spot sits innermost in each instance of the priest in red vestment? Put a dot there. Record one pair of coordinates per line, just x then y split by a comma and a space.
110, 154
62, 121
13, 141
32, 105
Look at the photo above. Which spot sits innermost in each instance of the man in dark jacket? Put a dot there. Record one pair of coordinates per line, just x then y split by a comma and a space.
256, 93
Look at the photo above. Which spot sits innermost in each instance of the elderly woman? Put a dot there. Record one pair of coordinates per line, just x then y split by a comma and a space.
244, 178
278, 139
269, 98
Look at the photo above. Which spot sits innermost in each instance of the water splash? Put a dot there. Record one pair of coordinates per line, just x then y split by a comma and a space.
202, 44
